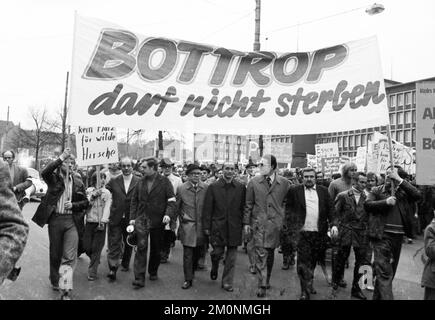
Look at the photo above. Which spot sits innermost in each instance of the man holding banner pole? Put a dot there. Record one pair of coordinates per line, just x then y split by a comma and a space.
61, 209
389, 221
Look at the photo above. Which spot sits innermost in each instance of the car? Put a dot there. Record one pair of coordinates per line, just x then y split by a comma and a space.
38, 189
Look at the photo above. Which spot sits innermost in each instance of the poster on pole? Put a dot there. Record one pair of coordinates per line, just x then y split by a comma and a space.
425, 135
361, 158
122, 78
311, 161
326, 150
96, 145
330, 165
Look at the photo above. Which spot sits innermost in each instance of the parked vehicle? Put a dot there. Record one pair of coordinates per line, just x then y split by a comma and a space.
38, 189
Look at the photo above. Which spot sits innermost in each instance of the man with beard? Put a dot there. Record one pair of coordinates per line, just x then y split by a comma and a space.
310, 210
264, 215
62, 208
389, 221
122, 188
222, 222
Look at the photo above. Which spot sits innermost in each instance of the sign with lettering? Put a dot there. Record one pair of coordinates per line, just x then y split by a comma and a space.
326, 150
330, 166
122, 78
96, 145
361, 158
311, 160
425, 133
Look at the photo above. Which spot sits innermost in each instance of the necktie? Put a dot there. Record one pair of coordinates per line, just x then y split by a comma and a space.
269, 181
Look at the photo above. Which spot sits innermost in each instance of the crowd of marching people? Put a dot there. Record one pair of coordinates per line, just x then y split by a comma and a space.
216, 208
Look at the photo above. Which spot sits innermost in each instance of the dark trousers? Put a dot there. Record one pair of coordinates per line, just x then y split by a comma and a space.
310, 246
230, 262
63, 238
117, 244
264, 258
360, 259
429, 293
93, 243
288, 240
168, 240
387, 254
140, 258
191, 256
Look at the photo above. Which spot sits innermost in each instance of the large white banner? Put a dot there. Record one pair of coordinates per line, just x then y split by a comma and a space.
122, 78
425, 135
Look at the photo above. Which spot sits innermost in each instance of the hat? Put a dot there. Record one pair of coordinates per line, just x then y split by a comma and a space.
166, 162
250, 164
204, 167
192, 167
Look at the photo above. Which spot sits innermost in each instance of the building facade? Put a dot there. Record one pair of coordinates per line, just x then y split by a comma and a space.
401, 100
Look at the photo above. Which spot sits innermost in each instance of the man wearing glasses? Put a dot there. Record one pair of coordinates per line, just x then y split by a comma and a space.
19, 177
263, 217
122, 188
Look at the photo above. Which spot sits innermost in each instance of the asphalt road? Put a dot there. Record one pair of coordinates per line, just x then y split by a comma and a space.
33, 283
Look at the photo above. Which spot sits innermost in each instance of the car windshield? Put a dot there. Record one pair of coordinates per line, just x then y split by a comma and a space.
33, 173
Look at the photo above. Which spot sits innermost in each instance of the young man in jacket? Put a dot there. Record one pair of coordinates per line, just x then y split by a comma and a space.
152, 207
62, 208
222, 222
389, 221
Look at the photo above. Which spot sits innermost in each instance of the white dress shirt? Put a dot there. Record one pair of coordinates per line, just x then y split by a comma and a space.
127, 181
312, 205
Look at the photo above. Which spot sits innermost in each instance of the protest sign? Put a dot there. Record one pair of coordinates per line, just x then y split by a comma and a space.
325, 150
425, 133
125, 79
96, 145
361, 158
330, 166
311, 160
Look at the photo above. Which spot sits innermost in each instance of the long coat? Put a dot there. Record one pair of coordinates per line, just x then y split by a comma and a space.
223, 212
428, 277
121, 198
264, 210
20, 181
55, 189
190, 205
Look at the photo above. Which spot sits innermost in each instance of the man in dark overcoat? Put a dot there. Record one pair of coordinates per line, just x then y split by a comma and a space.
222, 222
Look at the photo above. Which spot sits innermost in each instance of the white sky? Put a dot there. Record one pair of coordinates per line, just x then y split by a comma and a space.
36, 36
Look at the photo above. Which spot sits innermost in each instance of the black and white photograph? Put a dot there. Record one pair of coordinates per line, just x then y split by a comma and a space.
217, 156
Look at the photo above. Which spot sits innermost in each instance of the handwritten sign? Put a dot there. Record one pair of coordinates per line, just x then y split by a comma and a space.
331, 165
425, 133
96, 145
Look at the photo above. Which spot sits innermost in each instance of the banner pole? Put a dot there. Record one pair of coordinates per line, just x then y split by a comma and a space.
390, 148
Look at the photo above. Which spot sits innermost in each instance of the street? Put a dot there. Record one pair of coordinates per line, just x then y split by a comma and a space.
33, 283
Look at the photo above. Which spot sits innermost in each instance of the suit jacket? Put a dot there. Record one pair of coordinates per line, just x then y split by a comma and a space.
223, 213
297, 210
121, 198
351, 218
20, 181
264, 210
14, 229
378, 209
428, 277
189, 209
55, 190
155, 204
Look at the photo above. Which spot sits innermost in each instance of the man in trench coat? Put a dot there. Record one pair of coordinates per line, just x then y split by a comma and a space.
222, 221
264, 215
189, 207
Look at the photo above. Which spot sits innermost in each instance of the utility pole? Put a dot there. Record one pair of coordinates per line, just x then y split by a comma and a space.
65, 114
7, 119
256, 49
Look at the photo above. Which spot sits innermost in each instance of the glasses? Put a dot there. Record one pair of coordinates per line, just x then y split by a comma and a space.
7, 158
